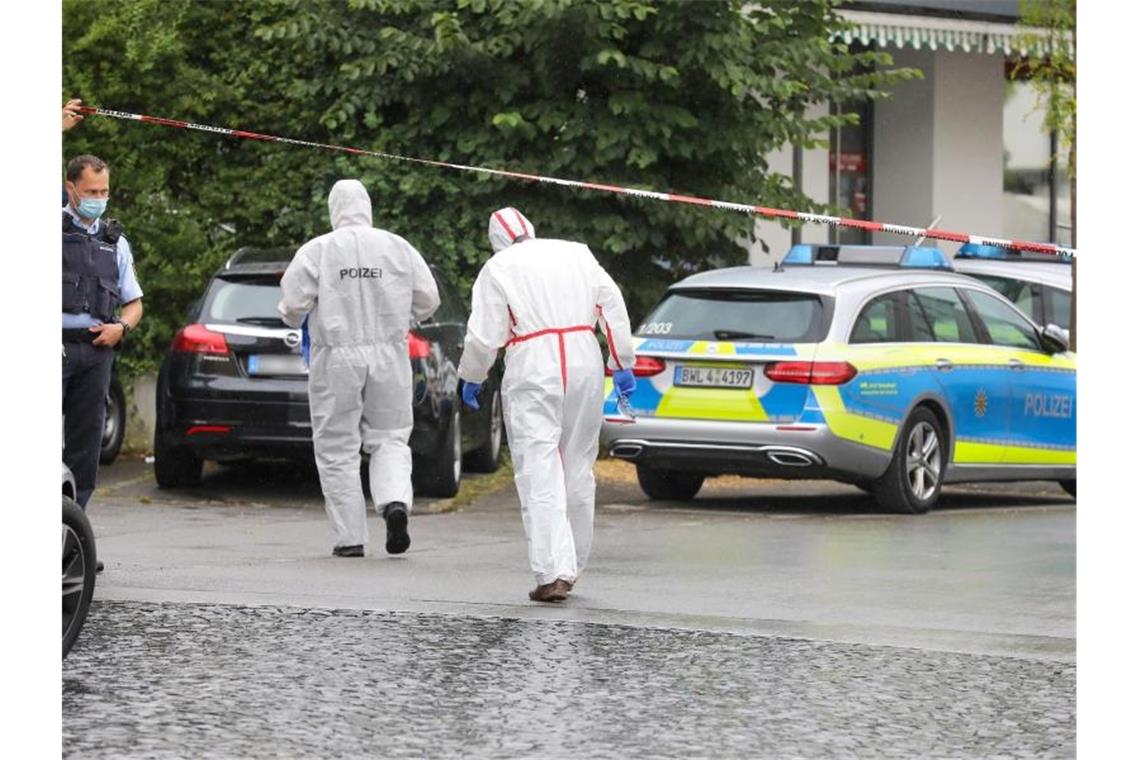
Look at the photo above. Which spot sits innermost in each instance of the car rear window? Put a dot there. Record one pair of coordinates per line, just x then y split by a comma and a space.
245, 301
759, 316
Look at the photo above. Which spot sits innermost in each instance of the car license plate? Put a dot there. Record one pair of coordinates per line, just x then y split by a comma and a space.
713, 377
277, 365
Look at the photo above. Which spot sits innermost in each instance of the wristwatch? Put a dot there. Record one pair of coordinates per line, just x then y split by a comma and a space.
126, 327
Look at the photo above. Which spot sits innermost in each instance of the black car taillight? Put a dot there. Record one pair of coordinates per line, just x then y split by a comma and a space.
196, 339
209, 350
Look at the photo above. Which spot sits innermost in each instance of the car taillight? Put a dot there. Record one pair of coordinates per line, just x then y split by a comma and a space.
644, 366
810, 373
196, 339
418, 346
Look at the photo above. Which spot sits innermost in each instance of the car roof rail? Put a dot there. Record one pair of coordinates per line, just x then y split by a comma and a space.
978, 251
250, 254
892, 256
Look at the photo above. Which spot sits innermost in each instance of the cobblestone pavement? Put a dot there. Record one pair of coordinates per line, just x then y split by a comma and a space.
198, 680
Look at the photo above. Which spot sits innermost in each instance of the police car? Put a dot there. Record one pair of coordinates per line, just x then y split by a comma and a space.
1040, 284
876, 366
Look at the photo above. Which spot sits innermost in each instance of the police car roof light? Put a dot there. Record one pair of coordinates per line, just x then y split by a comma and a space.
981, 251
924, 258
998, 253
800, 254
915, 257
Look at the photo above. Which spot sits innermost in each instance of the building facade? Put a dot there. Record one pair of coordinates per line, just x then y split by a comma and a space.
964, 148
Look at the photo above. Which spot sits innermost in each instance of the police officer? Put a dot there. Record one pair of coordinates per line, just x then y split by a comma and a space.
98, 278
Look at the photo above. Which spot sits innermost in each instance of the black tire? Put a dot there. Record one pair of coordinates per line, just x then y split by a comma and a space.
1070, 486
78, 571
440, 475
175, 466
904, 487
115, 422
668, 485
486, 457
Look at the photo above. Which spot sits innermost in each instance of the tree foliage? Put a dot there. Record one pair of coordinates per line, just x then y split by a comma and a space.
676, 96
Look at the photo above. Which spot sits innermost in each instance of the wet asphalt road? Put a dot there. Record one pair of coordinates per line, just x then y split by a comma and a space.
770, 620
184, 680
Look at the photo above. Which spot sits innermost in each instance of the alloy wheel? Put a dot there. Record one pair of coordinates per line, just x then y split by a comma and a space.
923, 460
74, 575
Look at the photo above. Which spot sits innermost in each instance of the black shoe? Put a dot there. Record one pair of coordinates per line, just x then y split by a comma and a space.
396, 516
356, 550
98, 566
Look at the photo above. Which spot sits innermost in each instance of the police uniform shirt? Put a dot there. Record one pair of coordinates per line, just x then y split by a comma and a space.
129, 288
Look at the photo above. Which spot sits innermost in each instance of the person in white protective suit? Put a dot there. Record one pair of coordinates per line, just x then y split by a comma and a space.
542, 300
361, 288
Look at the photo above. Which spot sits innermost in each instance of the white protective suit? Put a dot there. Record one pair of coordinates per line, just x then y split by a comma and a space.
543, 299
362, 288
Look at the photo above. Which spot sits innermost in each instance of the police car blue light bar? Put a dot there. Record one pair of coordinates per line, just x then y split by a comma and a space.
997, 253
911, 257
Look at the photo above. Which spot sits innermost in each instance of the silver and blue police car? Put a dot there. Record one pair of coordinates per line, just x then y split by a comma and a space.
873, 365
1039, 284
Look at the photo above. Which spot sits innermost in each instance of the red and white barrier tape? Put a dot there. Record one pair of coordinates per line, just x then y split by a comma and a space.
838, 221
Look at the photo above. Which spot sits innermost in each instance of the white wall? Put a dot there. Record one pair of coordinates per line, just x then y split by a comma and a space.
938, 146
968, 107
902, 154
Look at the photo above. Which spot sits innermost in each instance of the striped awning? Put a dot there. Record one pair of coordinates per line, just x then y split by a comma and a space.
933, 33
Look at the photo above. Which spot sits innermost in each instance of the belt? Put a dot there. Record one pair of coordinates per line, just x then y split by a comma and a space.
78, 335
560, 332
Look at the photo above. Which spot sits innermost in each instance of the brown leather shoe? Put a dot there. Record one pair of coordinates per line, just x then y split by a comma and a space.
550, 592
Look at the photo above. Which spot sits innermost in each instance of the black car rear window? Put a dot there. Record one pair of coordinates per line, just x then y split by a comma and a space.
248, 301
759, 316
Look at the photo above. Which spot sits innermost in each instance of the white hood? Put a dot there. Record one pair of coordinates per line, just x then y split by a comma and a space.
507, 226
349, 204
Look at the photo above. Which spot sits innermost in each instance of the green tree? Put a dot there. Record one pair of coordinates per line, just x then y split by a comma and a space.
678, 96
1052, 69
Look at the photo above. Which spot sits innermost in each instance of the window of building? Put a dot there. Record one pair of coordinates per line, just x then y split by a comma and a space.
849, 164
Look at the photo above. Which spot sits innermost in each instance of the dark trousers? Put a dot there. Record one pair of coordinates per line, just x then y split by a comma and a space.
86, 378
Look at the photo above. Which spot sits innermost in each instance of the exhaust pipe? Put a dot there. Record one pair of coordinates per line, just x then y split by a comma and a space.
626, 451
792, 457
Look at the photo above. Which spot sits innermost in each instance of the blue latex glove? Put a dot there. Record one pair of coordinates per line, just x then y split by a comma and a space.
470, 392
305, 343
624, 382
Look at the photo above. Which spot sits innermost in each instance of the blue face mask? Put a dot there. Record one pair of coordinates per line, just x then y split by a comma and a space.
91, 208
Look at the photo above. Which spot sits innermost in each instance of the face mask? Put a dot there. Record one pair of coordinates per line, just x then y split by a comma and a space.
91, 208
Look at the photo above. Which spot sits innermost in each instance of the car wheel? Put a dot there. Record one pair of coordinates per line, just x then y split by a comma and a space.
913, 481
440, 475
78, 570
114, 422
668, 485
486, 457
1070, 486
175, 466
